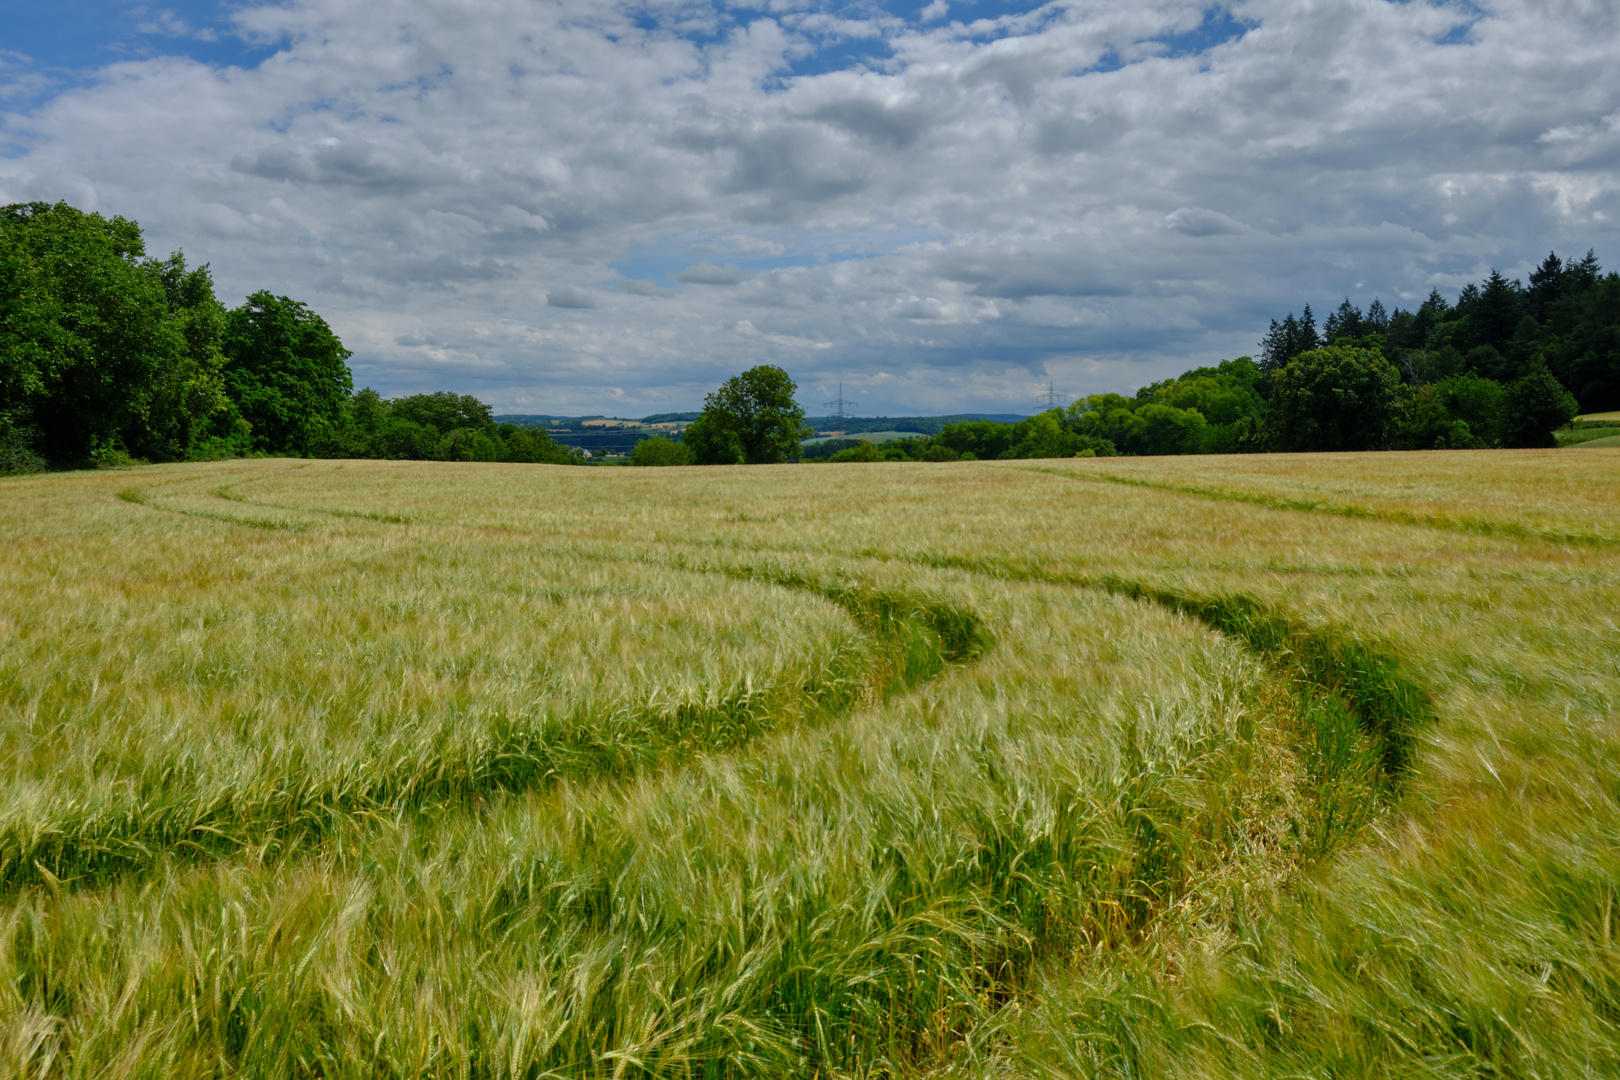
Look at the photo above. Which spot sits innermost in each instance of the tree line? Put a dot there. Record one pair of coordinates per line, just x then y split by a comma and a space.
107, 354
1505, 366
1343, 396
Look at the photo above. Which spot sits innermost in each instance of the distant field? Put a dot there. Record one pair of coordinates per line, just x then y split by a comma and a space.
1204, 766
879, 437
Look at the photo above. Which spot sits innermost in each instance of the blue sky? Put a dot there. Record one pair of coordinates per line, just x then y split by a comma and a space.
86, 34
582, 206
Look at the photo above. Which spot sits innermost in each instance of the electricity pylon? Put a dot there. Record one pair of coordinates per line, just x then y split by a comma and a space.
840, 405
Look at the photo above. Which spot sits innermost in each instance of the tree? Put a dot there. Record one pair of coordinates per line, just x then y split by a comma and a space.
1046, 436
1584, 273
1275, 346
752, 419
102, 351
444, 411
982, 440
1308, 338
535, 446
1533, 407
660, 450
1413, 333
1343, 323
1334, 398
864, 450
1163, 429
1462, 412
285, 372
1497, 313
1377, 319
1289, 338
1546, 282
1587, 359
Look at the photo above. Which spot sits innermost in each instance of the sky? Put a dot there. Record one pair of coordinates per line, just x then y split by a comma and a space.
581, 206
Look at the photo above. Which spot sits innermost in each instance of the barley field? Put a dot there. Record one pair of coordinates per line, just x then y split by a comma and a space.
1269, 766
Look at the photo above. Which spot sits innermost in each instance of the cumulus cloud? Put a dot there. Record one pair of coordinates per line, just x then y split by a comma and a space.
939, 209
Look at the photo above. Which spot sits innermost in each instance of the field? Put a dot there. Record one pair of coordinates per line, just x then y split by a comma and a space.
1247, 766
879, 437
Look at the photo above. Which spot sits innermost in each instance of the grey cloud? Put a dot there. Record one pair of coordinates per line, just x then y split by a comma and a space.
638, 287
710, 274
1197, 221
1017, 273
445, 269
276, 163
1074, 135
351, 163
568, 296
928, 309
896, 126
796, 163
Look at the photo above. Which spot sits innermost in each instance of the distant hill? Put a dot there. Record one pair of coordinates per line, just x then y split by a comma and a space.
916, 425
879, 437
573, 431
542, 419
920, 425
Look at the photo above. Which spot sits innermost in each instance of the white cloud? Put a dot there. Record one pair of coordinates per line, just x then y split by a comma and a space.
500, 197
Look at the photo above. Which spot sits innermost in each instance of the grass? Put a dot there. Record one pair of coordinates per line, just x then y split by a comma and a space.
879, 437
1597, 439
1228, 767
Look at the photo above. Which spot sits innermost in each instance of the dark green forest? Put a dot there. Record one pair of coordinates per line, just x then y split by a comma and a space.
110, 355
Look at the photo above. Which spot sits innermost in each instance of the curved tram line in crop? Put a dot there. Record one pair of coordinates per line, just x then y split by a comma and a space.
912, 639
1471, 524
932, 941
1366, 685
1359, 713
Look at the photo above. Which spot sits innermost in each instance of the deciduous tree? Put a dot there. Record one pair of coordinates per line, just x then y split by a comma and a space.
285, 372
752, 419
1334, 398
102, 351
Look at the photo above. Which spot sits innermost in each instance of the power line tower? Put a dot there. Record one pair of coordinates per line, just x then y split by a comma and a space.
1049, 396
840, 405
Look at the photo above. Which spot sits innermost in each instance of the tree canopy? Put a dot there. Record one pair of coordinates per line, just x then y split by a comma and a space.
660, 450
752, 419
286, 372
105, 352
1335, 398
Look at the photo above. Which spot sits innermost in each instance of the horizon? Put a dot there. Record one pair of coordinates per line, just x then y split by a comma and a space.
696, 412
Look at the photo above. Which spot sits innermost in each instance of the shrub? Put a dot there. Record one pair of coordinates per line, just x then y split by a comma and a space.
1335, 398
659, 450
1533, 407
861, 451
